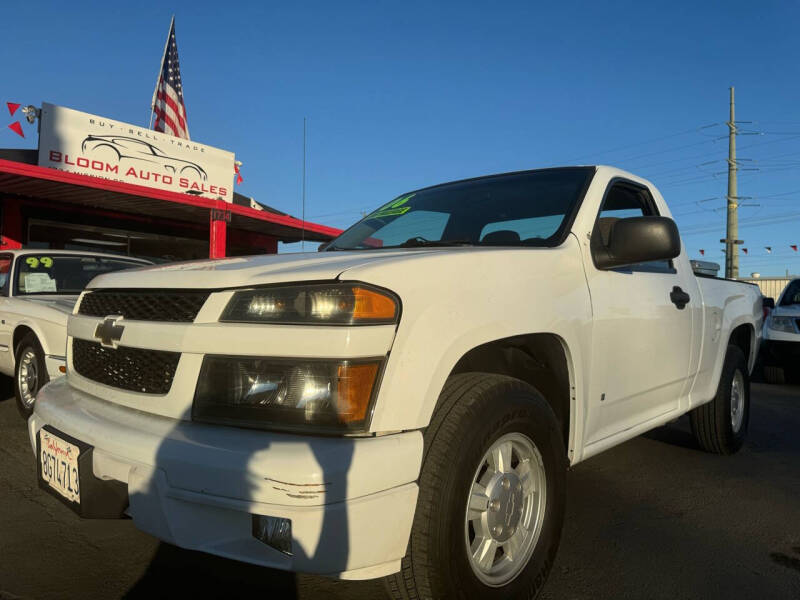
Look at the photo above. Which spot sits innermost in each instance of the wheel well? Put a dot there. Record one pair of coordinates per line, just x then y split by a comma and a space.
19, 333
742, 337
536, 358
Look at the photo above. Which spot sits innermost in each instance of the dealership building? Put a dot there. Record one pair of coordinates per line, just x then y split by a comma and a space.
102, 185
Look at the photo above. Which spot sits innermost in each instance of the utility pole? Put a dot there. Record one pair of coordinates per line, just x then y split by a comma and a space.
732, 230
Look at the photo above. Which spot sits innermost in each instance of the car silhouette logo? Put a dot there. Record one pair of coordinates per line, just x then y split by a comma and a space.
133, 149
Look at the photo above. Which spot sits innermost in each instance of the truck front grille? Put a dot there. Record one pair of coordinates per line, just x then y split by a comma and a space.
176, 306
132, 369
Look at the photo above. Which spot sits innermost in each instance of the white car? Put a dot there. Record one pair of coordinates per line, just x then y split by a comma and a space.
38, 290
781, 345
404, 404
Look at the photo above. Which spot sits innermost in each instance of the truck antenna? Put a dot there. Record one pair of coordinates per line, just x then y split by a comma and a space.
303, 230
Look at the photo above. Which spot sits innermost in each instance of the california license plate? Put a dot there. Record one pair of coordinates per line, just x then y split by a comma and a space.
58, 460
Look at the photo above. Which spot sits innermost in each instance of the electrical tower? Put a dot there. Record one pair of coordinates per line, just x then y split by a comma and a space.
732, 229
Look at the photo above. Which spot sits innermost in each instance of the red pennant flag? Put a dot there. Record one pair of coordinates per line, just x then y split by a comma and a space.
793, 247
702, 252
16, 128
239, 178
744, 250
12, 107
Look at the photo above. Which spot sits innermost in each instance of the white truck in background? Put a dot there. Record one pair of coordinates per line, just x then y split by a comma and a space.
405, 403
780, 350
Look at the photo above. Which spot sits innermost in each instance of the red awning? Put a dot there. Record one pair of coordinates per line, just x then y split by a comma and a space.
31, 181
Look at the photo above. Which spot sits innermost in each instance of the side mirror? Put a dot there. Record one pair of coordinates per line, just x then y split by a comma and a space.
622, 242
321, 247
767, 302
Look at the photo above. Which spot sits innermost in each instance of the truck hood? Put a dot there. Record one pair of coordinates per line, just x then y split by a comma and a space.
366, 265
255, 270
62, 304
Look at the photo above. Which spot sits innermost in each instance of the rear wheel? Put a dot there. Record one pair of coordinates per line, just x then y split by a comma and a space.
492, 494
720, 426
30, 373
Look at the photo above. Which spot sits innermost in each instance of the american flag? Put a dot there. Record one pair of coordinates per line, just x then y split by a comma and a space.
168, 107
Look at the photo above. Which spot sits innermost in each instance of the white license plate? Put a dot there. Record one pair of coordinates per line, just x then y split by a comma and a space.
59, 460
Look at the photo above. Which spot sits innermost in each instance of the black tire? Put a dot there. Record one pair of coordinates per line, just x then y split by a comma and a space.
712, 422
29, 344
475, 410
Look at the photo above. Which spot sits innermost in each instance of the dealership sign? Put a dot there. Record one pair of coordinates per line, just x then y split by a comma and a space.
78, 142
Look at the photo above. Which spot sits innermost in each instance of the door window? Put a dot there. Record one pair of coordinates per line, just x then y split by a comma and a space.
624, 200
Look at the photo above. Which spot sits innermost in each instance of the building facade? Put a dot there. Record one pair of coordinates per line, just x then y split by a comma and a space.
48, 208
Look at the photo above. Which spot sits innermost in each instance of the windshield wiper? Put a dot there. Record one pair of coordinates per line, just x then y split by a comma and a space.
421, 242
415, 242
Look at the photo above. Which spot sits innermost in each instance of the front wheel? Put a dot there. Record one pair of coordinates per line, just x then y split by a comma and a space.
492, 494
720, 426
30, 373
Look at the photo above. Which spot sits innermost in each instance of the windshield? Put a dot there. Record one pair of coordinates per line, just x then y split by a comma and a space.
62, 273
792, 294
518, 209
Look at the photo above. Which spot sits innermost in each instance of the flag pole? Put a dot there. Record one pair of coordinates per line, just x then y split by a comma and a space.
160, 70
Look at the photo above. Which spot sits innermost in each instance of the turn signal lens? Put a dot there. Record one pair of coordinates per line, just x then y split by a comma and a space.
323, 304
373, 306
355, 383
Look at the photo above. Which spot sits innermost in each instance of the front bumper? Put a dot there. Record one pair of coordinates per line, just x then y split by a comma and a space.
351, 500
54, 364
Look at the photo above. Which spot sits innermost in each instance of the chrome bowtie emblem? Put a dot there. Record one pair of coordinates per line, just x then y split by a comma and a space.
109, 332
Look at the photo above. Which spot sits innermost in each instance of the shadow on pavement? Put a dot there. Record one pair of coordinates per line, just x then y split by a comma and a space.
6, 389
677, 434
174, 570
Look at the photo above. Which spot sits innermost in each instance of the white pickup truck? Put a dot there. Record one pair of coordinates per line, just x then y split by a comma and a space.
405, 403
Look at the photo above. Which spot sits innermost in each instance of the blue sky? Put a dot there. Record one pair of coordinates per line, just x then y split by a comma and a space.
402, 95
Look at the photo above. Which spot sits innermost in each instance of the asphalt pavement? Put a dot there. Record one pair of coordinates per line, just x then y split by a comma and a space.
653, 518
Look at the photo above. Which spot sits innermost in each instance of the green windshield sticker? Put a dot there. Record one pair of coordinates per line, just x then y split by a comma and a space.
34, 262
394, 208
390, 212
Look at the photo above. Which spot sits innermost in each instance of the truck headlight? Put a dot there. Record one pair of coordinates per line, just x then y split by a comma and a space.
326, 303
267, 393
785, 324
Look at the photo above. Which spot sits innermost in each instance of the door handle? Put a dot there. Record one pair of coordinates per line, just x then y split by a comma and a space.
679, 297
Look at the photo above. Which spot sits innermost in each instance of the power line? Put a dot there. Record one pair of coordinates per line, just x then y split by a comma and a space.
766, 220
336, 214
708, 155
643, 142
668, 150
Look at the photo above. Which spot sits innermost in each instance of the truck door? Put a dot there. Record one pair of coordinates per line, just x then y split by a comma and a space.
641, 331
